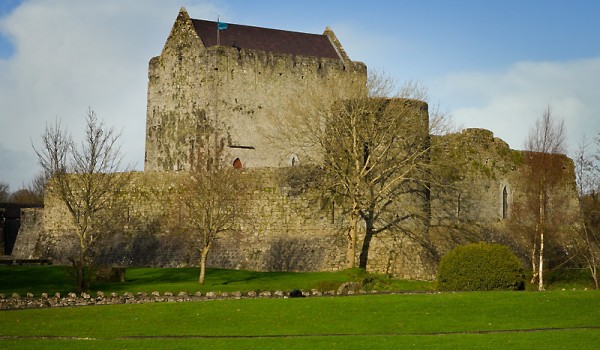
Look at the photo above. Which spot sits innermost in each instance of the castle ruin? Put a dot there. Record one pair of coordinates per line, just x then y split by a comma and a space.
241, 77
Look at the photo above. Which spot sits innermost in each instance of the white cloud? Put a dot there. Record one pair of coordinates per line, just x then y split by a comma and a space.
71, 55
509, 102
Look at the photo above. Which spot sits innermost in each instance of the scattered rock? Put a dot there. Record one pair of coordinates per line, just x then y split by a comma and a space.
346, 287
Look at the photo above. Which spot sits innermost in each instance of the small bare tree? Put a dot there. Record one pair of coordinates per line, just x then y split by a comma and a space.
545, 164
588, 245
586, 170
213, 194
85, 178
4, 192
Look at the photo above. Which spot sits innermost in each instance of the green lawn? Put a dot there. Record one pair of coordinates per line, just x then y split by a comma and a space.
520, 320
51, 279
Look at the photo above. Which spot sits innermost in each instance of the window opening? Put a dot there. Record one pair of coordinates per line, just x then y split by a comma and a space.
237, 163
504, 203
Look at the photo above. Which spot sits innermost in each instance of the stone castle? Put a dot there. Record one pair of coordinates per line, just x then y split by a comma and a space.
241, 76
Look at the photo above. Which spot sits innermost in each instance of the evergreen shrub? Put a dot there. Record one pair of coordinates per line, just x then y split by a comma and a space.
480, 266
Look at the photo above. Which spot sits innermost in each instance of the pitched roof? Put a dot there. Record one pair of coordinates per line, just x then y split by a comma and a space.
265, 39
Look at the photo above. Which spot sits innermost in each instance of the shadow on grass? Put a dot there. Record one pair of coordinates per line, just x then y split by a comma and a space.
25, 279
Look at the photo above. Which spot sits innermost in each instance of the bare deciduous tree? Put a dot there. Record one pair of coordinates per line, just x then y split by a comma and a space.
374, 152
213, 194
586, 170
85, 177
4, 192
545, 145
587, 243
33, 193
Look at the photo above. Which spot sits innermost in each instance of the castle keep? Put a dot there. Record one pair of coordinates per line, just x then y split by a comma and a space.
242, 77
252, 75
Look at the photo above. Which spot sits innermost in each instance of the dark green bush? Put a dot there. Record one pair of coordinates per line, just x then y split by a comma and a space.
481, 266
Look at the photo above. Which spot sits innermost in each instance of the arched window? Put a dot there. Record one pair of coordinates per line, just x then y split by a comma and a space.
504, 203
237, 163
294, 161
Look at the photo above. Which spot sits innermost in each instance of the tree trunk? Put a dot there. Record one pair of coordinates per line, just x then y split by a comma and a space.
364, 253
79, 264
534, 270
79, 276
541, 251
541, 263
352, 234
594, 271
203, 256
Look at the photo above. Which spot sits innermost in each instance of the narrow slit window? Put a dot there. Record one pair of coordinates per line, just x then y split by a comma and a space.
504, 203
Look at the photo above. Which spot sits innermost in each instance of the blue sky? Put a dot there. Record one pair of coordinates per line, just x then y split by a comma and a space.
491, 64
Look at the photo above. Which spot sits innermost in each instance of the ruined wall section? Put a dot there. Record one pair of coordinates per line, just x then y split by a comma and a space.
475, 199
483, 198
482, 167
282, 230
26, 244
241, 89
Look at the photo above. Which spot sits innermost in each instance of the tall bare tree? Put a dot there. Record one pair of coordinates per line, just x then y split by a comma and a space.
374, 154
545, 164
587, 243
213, 194
85, 177
586, 170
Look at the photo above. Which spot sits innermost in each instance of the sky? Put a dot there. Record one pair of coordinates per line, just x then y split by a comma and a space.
490, 64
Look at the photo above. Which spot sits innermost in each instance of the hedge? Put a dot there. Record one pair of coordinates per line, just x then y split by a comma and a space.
480, 266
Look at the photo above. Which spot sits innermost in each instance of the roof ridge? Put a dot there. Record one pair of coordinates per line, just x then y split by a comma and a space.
274, 40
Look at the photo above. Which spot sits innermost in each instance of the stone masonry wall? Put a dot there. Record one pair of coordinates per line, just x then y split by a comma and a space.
283, 231
482, 203
29, 234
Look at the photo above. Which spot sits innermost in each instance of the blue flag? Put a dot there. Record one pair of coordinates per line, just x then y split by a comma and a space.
221, 25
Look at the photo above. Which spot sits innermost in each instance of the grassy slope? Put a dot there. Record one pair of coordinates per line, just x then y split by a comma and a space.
380, 321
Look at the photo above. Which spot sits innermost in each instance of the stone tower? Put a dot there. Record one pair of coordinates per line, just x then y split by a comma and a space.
239, 77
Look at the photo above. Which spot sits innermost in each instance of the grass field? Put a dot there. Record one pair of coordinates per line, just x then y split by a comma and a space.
51, 279
520, 320
477, 320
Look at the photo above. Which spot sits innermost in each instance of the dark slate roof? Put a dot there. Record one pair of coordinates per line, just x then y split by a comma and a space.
265, 39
